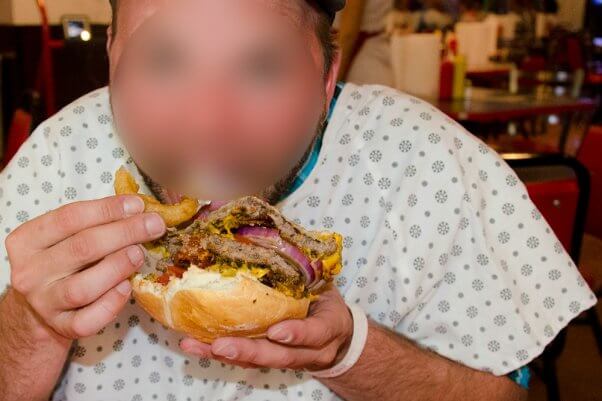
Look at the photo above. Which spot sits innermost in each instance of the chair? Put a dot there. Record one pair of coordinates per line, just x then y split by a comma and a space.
589, 155
559, 186
26, 117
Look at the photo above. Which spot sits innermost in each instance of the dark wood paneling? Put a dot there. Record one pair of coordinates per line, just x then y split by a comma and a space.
79, 67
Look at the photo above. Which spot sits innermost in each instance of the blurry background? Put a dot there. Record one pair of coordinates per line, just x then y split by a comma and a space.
76, 66
524, 76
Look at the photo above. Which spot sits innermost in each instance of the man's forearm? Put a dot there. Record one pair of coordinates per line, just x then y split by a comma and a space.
392, 368
31, 355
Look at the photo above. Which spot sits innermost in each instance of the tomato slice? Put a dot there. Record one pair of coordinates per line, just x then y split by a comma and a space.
176, 271
163, 279
172, 271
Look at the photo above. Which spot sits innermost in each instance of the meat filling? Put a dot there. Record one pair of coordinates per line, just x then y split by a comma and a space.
212, 243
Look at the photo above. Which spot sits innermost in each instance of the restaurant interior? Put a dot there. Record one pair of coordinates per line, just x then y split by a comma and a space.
524, 76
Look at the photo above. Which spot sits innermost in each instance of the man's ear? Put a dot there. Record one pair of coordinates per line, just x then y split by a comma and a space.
332, 76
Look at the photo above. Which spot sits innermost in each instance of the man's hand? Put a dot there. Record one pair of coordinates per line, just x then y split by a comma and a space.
72, 264
313, 343
317, 342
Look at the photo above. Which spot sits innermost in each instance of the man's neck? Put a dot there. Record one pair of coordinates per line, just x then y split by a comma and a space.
272, 194
278, 191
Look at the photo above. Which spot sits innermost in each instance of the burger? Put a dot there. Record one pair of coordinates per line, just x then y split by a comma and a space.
235, 270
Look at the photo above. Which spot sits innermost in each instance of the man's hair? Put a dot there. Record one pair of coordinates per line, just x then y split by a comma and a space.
322, 25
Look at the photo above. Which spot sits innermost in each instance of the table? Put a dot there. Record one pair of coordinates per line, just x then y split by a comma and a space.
492, 105
494, 71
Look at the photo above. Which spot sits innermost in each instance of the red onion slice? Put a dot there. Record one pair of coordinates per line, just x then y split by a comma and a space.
318, 285
318, 269
270, 238
255, 232
317, 266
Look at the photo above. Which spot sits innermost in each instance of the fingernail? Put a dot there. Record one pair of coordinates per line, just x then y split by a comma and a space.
124, 288
154, 224
133, 205
227, 351
281, 335
135, 255
191, 348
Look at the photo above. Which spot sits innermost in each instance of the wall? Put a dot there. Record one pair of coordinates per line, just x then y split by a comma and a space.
571, 14
6, 11
25, 12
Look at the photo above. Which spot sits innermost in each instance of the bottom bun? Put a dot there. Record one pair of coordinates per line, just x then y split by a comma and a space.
206, 305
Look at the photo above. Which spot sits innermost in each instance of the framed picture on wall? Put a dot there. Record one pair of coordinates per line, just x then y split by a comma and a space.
76, 27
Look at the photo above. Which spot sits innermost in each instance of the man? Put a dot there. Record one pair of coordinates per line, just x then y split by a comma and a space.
461, 278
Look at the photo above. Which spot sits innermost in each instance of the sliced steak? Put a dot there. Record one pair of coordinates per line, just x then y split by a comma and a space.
253, 211
201, 246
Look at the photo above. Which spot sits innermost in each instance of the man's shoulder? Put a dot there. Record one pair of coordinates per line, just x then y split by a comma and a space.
80, 144
388, 118
70, 157
96, 98
80, 119
93, 108
84, 124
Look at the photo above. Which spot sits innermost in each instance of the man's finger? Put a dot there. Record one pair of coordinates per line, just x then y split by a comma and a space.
91, 319
235, 363
314, 332
329, 320
192, 346
57, 225
84, 288
202, 350
272, 355
95, 243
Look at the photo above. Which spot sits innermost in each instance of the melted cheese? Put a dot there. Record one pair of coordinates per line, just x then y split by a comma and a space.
332, 265
157, 250
230, 271
230, 222
213, 229
295, 292
227, 224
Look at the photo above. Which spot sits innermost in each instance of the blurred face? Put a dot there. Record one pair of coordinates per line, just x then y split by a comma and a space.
218, 98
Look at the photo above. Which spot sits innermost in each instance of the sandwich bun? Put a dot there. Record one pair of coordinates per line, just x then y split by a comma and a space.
206, 305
